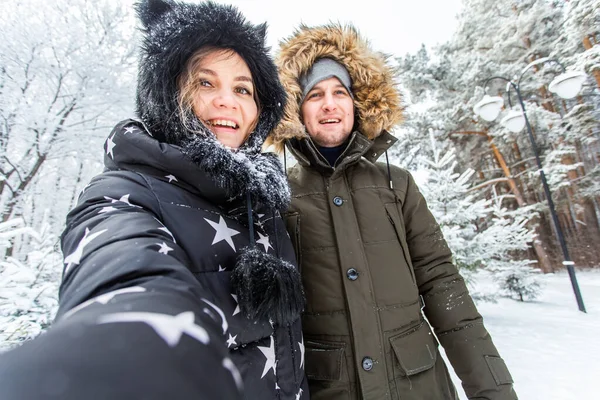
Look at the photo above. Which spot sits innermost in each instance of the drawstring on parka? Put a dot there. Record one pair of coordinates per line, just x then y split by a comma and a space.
387, 161
266, 286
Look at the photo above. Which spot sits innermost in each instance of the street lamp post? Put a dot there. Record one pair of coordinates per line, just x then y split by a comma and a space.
566, 85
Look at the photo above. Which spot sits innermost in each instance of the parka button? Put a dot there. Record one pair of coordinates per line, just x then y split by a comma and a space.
367, 363
338, 201
352, 274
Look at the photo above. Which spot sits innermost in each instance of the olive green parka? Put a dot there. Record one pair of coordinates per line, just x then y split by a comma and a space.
380, 284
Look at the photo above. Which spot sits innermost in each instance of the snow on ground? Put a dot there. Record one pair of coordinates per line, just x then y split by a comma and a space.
551, 348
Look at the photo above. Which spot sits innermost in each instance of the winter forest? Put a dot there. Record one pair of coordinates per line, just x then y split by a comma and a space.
68, 75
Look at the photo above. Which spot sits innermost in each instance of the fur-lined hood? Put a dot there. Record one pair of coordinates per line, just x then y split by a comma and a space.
172, 32
377, 100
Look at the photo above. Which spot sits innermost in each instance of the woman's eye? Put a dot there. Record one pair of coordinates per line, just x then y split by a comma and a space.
205, 83
243, 90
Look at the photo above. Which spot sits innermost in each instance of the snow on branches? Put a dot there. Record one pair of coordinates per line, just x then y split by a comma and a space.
28, 288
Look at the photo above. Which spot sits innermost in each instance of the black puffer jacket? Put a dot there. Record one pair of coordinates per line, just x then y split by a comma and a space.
154, 213
146, 294
171, 288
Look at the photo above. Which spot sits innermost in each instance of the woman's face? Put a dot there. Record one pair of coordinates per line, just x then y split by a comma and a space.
224, 99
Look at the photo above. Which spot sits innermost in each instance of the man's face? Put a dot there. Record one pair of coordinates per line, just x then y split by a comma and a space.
328, 113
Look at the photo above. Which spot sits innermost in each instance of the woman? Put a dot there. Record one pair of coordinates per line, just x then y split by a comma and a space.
177, 252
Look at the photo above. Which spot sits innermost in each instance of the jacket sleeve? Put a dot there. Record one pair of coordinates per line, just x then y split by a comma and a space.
133, 321
448, 305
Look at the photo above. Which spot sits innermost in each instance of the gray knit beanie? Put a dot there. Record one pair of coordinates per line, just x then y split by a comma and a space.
321, 70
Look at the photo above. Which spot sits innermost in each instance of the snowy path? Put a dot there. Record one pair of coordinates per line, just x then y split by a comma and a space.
550, 347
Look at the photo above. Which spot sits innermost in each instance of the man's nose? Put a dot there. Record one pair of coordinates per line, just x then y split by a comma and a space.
329, 103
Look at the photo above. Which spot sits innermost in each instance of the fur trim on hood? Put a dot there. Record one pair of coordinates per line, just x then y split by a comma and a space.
377, 100
172, 33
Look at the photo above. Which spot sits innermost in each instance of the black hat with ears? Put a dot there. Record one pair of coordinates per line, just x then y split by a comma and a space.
266, 285
172, 33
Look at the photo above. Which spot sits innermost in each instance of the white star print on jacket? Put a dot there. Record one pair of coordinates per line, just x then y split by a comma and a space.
237, 308
104, 298
264, 241
231, 341
123, 199
301, 345
224, 323
164, 248
75, 257
271, 361
223, 232
169, 328
110, 145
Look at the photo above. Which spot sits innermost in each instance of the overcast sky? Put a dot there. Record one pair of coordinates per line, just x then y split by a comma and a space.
395, 27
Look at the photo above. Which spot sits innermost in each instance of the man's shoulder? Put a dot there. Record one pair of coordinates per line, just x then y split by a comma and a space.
394, 169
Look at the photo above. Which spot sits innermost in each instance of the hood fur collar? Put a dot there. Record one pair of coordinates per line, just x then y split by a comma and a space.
377, 100
171, 33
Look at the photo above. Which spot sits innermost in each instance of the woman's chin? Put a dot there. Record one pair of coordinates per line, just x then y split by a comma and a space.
232, 145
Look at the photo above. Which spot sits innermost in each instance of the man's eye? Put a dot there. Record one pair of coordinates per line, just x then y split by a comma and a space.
313, 95
340, 92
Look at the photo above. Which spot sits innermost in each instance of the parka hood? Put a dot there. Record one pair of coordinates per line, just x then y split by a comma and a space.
172, 33
377, 101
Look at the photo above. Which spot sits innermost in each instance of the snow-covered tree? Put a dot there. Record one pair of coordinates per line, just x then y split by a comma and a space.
512, 39
29, 288
457, 210
482, 233
66, 76
514, 274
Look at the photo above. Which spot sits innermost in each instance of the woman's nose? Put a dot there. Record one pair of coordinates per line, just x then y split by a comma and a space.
224, 98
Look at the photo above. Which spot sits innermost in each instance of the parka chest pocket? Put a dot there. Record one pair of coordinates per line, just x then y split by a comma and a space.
397, 223
415, 350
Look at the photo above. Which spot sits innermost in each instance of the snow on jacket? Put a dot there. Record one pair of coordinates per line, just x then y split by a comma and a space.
180, 280
373, 259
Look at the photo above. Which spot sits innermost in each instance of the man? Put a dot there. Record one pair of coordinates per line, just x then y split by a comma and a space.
373, 259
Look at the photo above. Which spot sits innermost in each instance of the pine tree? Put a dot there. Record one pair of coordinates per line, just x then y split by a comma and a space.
502, 38
28, 289
67, 74
482, 233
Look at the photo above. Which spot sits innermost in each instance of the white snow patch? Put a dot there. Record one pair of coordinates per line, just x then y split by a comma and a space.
550, 347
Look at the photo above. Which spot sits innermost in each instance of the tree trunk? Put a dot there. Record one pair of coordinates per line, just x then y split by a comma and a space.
543, 259
587, 43
542, 256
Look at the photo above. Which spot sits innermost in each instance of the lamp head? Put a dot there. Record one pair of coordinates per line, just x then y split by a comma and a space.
489, 107
568, 85
514, 121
